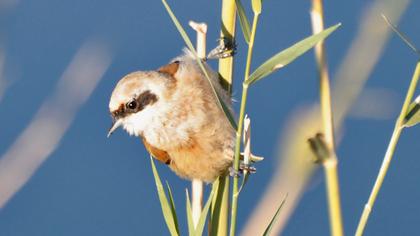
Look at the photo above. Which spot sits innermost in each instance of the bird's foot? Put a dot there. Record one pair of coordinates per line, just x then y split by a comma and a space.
242, 169
234, 173
246, 167
226, 48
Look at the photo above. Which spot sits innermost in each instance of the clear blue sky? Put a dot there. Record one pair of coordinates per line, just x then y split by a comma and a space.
91, 185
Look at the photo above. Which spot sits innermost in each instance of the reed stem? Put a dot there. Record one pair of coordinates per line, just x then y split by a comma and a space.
389, 152
330, 164
235, 187
219, 224
197, 187
227, 32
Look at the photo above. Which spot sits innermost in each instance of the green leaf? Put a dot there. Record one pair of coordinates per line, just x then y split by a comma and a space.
256, 6
227, 111
274, 219
200, 63
290, 54
219, 188
169, 217
172, 204
413, 114
197, 231
191, 229
243, 20
202, 221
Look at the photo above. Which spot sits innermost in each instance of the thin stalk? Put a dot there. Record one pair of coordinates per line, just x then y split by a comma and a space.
218, 224
317, 17
389, 152
197, 190
228, 22
333, 192
227, 32
330, 164
197, 187
235, 187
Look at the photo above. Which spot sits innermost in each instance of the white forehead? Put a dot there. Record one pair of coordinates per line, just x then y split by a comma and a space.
134, 84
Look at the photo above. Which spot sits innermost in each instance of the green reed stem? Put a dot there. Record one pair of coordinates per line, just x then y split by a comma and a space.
389, 152
330, 163
220, 206
235, 187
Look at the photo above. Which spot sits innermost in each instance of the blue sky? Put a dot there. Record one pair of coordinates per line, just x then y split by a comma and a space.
91, 185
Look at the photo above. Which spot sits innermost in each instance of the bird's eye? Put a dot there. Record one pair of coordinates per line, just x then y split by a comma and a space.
132, 105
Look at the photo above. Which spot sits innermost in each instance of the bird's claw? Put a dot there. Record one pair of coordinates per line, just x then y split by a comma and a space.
242, 168
246, 167
225, 49
234, 173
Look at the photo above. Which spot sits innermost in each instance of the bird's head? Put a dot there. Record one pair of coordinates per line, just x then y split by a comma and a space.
139, 99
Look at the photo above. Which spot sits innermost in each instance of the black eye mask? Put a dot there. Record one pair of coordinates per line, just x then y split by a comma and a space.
135, 105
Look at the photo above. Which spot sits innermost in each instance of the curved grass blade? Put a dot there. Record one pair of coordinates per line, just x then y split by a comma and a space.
243, 20
179, 27
244, 181
166, 209
219, 188
191, 229
401, 35
288, 55
200, 63
227, 112
274, 219
172, 205
202, 221
413, 114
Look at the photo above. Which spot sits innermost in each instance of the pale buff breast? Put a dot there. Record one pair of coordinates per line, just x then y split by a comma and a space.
204, 160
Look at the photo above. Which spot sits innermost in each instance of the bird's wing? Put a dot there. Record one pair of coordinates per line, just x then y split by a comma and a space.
157, 153
170, 68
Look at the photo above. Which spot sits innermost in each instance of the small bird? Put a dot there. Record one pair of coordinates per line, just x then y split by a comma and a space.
176, 114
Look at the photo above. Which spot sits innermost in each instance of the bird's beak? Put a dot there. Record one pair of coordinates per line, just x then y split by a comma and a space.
115, 124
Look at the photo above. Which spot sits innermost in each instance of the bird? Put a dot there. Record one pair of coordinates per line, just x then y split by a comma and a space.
177, 115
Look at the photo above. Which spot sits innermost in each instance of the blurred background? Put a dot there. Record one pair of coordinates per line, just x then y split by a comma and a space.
60, 60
